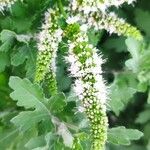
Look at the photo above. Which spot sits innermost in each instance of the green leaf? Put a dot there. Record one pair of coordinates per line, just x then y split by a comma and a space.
140, 62
23, 24
19, 57
118, 44
8, 136
134, 48
142, 19
29, 96
4, 61
35, 142
143, 117
28, 118
50, 140
57, 103
122, 136
6, 46
94, 36
31, 63
26, 94
122, 90
7, 35
131, 147
148, 145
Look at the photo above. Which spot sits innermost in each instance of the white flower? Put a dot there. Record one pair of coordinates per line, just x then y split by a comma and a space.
72, 20
84, 27
78, 88
90, 69
94, 13
48, 42
71, 59
6, 3
58, 34
89, 86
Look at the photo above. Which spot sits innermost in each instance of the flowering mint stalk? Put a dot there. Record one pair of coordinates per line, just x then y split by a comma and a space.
107, 3
49, 39
91, 12
113, 24
97, 4
6, 3
89, 86
117, 3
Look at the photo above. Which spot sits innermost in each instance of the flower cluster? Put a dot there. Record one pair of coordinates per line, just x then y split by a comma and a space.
48, 43
89, 86
93, 13
113, 24
6, 3
94, 5
117, 3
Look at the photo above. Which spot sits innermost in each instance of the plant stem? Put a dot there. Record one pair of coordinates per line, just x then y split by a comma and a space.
61, 8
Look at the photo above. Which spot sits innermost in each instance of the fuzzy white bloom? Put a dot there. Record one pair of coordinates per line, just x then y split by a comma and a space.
48, 42
73, 19
117, 3
6, 4
93, 13
86, 71
49, 37
109, 22
89, 86
88, 6
84, 27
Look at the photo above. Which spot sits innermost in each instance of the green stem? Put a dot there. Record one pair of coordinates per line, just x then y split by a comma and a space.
61, 8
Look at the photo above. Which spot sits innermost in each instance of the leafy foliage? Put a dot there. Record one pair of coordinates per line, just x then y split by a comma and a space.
123, 136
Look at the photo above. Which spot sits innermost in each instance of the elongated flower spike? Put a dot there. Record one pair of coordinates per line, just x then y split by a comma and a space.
6, 4
113, 24
94, 5
48, 41
89, 86
93, 13
107, 3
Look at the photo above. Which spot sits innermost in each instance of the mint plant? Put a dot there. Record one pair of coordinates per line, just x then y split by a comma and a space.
72, 75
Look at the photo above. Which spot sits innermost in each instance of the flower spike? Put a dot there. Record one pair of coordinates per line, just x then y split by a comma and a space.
113, 24
93, 14
94, 5
49, 39
89, 86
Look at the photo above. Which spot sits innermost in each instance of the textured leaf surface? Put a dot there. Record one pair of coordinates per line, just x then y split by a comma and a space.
134, 48
122, 90
19, 57
123, 136
27, 94
25, 120
4, 61
57, 103
143, 117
